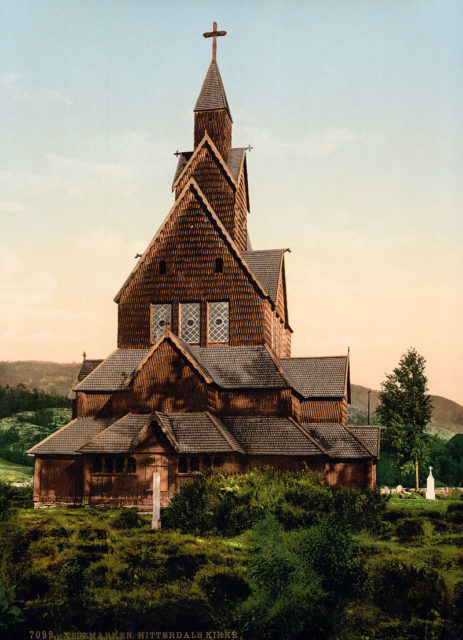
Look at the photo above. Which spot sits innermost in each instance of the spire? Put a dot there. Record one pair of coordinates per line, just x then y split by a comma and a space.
212, 95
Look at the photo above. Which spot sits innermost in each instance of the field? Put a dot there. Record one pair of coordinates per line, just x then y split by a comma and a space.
359, 568
11, 472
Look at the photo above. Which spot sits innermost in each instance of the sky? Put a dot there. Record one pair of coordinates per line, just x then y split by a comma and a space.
355, 114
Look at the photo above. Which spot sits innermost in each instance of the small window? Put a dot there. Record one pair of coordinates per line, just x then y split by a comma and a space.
183, 465
218, 322
119, 465
108, 465
190, 321
161, 317
162, 267
218, 265
194, 464
131, 465
206, 463
218, 462
97, 465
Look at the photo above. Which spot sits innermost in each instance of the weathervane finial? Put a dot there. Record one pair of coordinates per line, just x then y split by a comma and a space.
214, 35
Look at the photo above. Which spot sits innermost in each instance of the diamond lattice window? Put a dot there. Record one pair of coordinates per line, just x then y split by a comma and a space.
162, 315
190, 321
219, 322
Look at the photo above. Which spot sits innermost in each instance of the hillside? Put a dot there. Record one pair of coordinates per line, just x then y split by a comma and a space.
54, 377
447, 416
51, 377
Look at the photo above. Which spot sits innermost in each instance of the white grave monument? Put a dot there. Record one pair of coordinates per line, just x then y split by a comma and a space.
430, 494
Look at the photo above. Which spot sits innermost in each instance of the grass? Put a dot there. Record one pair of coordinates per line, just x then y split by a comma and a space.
415, 505
12, 472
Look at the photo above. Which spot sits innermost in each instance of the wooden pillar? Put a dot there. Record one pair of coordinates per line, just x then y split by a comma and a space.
36, 489
156, 524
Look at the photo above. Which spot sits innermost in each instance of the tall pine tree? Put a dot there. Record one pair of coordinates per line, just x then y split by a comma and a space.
404, 411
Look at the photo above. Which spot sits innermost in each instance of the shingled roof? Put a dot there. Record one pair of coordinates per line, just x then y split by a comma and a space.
113, 373
212, 95
271, 436
85, 369
337, 440
118, 437
240, 367
233, 162
323, 377
266, 266
70, 438
369, 434
198, 433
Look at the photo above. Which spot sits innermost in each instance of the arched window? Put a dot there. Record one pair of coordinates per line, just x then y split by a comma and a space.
183, 465
131, 465
218, 265
108, 465
97, 465
162, 267
218, 462
119, 465
194, 464
206, 463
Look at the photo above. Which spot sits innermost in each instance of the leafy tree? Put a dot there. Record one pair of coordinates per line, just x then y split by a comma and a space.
405, 410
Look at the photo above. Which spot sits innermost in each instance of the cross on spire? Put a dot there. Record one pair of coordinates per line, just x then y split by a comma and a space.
214, 35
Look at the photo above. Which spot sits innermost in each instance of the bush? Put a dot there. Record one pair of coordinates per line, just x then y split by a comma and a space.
455, 507
409, 529
127, 519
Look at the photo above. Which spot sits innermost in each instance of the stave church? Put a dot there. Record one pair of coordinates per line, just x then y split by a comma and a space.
202, 376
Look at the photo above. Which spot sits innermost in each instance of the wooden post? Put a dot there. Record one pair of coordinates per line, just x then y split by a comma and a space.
155, 524
417, 482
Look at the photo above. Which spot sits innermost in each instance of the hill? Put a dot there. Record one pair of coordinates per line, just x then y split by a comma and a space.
447, 416
51, 377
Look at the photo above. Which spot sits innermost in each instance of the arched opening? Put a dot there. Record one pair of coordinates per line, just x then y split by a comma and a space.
162, 267
108, 465
97, 465
218, 265
183, 465
119, 465
194, 464
131, 465
206, 463
218, 462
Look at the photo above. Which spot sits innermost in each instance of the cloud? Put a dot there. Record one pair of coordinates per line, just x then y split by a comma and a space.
11, 207
11, 82
102, 168
318, 143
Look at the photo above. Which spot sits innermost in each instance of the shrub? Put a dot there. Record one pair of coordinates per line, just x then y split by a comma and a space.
223, 586
455, 516
456, 506
127, 519
409, 529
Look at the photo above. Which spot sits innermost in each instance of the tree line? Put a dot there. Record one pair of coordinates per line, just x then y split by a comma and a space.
16, 399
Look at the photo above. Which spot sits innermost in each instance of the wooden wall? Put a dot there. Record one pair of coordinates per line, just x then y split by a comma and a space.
190, 244
218, 126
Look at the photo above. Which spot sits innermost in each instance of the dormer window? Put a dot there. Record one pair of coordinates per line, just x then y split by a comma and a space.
219, 322
218, 265
162, 267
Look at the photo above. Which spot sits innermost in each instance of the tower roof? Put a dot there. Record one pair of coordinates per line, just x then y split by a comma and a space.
212, 95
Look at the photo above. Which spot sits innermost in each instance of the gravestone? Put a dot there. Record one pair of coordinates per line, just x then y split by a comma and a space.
430, 494
155, 524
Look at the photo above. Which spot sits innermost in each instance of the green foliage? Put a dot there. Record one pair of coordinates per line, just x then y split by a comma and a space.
15, 399
405, 410
10, 614
128, 519
231, 503
23, 430
409, 529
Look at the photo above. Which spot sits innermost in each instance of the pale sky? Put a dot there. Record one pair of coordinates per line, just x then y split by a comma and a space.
355, 113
